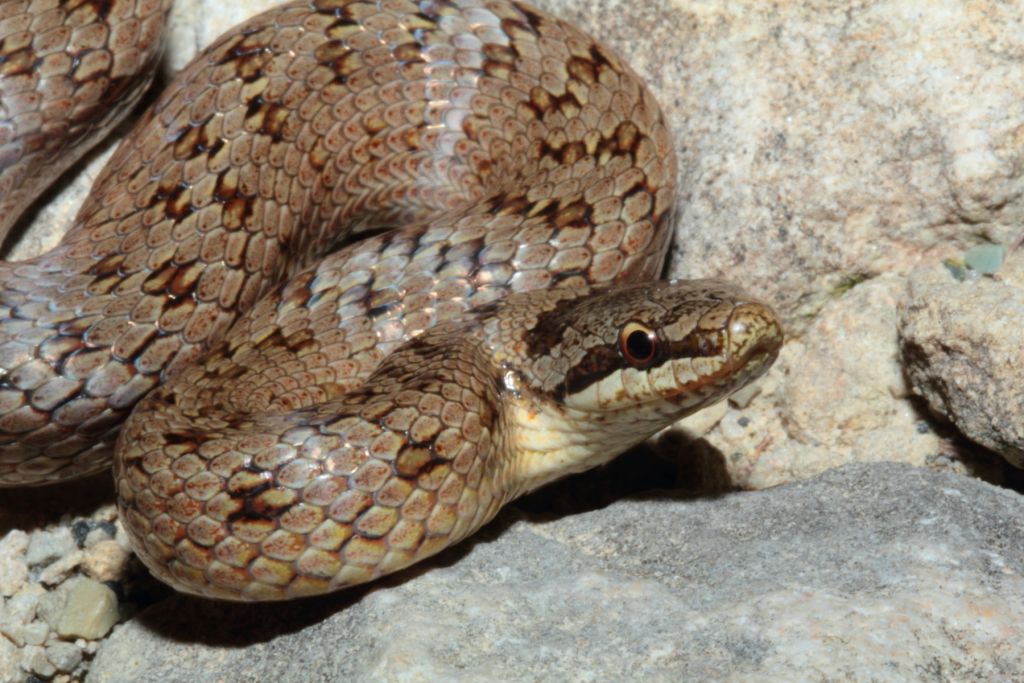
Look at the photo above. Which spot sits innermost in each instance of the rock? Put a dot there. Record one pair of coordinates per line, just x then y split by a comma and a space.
963, 344
862, 570
35, 633
13, 567
105, 560
17, 615
90, 610
46, 546
842, 396
10, 668
33, 658
58, 571
64, 656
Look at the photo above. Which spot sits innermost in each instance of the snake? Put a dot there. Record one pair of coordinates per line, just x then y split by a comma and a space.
360, 275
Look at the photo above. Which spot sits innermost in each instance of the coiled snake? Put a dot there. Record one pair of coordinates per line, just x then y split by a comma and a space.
306, 423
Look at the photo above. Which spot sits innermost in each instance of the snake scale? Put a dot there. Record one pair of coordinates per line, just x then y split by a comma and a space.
290, 410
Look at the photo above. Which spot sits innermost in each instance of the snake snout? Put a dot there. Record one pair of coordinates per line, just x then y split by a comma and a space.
755, 337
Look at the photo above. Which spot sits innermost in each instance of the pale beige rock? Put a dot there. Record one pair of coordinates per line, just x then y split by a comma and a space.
13, 567
35, 633
47, 545
10, 668
33, 658
90, 610
64, 656
105, 560
964, 348
58, 571
841, 395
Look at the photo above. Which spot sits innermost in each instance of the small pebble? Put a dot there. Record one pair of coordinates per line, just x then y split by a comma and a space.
90, 611
13, 567
35, 633
80, 530
106, 560
33, 658
58, 571
985, 258
46, 546
64, 656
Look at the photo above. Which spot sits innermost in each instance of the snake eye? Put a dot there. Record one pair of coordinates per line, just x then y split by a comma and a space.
638, 344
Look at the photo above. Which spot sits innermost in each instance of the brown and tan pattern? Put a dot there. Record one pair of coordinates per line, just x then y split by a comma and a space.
383, 402
61, 65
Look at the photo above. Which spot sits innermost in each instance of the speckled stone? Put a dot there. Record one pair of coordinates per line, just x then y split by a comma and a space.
842, 396
868, 572
90, 610
964, 349
13, 567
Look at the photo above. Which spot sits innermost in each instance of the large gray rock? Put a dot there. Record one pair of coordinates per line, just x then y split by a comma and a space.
879, 573
964, 348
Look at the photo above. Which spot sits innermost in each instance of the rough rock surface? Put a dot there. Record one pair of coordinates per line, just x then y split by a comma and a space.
839, 394
64, 579
869, 572
964, 347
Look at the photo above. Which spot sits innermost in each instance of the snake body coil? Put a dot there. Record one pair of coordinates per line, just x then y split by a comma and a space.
304, 425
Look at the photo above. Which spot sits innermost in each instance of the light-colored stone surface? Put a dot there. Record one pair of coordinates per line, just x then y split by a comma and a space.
964, 348
837, 394
13, 567
46, 546
870, 572
90, 610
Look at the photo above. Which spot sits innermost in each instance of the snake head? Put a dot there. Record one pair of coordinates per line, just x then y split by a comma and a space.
677, 345
595, 371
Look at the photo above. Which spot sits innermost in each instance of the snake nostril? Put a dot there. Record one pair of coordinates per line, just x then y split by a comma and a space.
753, 328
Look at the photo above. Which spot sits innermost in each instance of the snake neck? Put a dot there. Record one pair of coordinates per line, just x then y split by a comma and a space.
546, 440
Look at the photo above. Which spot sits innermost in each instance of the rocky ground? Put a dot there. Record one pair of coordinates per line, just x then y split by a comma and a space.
859, 167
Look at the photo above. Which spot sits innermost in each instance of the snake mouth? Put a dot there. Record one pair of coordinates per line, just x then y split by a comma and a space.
748, 342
